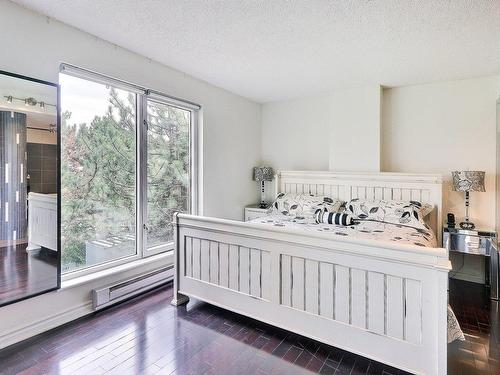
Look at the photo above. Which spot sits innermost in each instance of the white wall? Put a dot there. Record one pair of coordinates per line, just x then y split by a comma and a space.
40, 46
441, 127
34, 46
322, 133
296, 134
432, 128
355, 129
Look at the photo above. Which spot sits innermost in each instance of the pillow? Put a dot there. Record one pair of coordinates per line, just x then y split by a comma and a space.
337, 218
305, 205
409, 213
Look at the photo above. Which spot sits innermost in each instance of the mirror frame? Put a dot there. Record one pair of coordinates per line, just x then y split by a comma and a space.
58, 174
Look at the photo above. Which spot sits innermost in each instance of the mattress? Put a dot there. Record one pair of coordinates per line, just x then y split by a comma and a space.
372, 230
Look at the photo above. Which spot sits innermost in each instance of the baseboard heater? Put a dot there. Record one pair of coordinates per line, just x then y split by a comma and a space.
112, 294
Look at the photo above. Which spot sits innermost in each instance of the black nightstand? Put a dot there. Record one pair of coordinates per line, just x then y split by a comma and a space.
479, 243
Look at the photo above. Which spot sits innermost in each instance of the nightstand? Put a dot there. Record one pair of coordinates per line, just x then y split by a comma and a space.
479, 243
254, 212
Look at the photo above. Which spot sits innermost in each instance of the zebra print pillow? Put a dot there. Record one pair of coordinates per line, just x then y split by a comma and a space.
333, 218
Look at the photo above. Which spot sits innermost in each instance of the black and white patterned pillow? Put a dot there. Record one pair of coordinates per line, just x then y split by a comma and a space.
305, 205
409, 213
337, 218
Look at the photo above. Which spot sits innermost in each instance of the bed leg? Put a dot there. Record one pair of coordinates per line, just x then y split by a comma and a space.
179, 299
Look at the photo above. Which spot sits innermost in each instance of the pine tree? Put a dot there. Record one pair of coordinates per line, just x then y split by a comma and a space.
98, 176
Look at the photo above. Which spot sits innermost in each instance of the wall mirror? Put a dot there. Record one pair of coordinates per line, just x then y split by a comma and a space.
29, 186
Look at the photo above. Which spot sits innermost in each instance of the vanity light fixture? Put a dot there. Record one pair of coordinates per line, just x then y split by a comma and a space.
29, 102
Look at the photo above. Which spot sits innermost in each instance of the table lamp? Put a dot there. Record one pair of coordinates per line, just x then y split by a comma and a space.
468, 181
263, 174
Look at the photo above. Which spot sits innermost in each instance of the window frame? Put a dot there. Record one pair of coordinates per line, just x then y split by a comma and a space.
143, 95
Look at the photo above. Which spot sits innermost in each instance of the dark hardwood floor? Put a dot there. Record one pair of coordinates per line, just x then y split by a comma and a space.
146, 335
479, 318
23, 274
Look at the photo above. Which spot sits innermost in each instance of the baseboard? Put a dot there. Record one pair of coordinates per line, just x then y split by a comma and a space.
45, 324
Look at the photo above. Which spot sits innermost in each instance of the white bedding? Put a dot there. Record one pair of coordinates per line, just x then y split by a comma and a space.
368, 230
365, 230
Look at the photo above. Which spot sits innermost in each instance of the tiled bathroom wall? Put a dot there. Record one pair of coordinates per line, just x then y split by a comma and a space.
42, 168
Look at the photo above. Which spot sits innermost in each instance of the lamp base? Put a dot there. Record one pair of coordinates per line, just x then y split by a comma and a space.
467, 225
263, 205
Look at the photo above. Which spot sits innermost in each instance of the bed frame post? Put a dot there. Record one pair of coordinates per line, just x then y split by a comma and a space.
442, 327
178, 298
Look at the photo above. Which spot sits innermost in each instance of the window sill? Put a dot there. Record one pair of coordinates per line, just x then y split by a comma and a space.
165, 258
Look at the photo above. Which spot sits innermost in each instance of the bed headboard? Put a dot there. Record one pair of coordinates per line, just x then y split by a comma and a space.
425, 188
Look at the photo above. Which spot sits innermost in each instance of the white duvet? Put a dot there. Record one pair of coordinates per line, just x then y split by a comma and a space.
368, 230
374, 230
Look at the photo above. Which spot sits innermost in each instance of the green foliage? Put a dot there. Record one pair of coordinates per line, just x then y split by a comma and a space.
98, 176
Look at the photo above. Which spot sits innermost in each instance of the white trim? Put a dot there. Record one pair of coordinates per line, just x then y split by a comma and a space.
198, 174
76, 71
70, 281
196, 162
80, 272
172, 101
141, 174
161, 248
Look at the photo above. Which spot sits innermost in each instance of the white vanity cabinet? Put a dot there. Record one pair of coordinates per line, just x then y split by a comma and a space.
42, 221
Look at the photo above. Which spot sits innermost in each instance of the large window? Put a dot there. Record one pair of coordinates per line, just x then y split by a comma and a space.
127, 165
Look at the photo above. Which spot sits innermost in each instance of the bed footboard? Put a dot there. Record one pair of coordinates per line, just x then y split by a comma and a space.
385, 302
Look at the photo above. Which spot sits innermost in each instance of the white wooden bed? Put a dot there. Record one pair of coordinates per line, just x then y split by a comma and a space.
382, 300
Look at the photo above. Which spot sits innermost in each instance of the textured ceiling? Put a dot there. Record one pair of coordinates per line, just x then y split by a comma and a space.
276, 49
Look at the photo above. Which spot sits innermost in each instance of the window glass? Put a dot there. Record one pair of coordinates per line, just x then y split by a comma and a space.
168, 170
98, 173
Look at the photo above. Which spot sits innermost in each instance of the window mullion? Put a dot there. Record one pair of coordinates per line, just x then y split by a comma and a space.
141, 179
194, 163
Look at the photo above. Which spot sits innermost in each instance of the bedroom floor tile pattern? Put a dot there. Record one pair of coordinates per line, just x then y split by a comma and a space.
148, 336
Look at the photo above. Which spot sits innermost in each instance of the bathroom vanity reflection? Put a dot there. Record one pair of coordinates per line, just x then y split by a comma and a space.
29, 214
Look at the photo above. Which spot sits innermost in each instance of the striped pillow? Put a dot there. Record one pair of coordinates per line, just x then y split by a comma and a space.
333, 218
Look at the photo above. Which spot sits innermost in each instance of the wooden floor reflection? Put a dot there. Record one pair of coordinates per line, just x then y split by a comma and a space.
148, 336
23, 273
